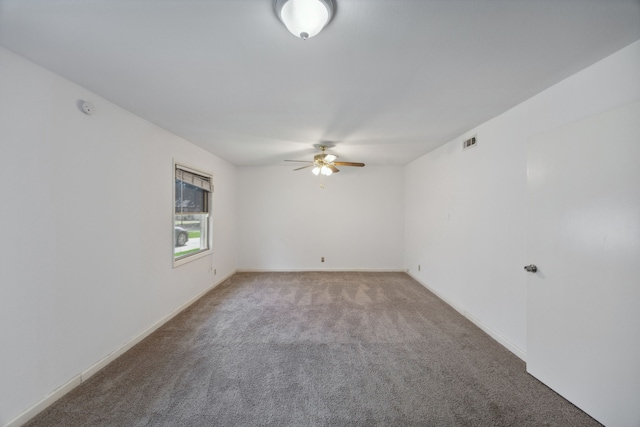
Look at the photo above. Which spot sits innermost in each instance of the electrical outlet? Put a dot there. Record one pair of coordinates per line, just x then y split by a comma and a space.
322, 259
418, 267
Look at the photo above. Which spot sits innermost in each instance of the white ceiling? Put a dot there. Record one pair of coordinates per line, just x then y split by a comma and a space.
387, 81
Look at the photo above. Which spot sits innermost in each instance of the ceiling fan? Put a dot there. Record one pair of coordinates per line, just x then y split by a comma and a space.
324, 163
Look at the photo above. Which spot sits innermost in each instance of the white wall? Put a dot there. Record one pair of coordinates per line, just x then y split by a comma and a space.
86, 226
287, 222
466, 211
86, 220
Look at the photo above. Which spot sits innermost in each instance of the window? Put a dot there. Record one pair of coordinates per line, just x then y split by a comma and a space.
192, 214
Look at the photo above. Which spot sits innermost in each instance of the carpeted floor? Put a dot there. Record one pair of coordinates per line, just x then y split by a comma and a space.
315, 349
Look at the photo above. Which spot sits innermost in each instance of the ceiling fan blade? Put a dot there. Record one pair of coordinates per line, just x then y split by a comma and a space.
349, 164
302, 161
304, 167
333, 168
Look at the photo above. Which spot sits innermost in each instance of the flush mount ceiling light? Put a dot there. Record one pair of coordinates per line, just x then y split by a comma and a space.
305, 18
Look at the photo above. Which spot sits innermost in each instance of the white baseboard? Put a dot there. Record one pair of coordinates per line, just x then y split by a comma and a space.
498, 337
46, 402
492, 333
89, 372
327, 270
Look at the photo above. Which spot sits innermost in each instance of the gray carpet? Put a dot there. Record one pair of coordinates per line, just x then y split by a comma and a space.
315, 349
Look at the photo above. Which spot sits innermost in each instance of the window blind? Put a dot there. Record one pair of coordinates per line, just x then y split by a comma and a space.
203, 182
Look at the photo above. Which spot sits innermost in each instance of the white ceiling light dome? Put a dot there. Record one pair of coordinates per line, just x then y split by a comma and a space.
305, 18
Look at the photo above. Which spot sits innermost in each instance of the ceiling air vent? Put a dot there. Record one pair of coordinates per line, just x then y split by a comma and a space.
471, 142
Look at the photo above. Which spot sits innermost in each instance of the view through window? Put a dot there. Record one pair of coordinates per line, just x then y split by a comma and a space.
192, 212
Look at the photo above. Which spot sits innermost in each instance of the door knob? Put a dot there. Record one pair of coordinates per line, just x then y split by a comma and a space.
531, 268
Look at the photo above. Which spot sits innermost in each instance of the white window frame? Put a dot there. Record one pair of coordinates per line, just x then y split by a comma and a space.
197, 255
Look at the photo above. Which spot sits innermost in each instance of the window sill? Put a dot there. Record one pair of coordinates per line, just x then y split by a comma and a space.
182, 261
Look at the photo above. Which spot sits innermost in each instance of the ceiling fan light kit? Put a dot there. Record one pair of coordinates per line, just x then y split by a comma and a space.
305, 18
324, 164
324, 170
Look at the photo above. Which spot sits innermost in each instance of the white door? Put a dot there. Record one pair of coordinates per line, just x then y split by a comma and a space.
583, 319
